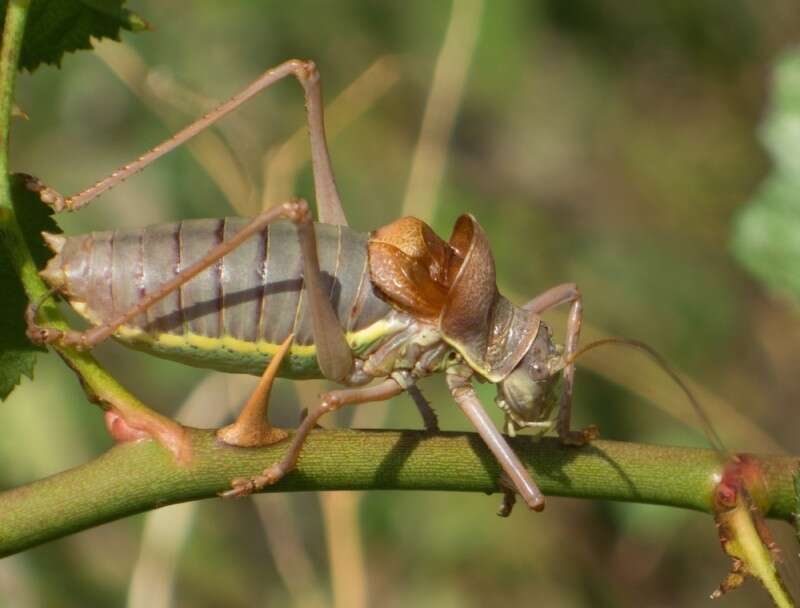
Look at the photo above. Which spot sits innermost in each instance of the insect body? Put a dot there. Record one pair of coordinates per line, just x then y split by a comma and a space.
319, 300
234, 316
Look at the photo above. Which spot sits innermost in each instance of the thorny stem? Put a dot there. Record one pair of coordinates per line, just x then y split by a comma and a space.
135, 477
99, 384
9, 56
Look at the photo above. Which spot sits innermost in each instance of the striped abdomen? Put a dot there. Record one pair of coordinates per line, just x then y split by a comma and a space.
231, 315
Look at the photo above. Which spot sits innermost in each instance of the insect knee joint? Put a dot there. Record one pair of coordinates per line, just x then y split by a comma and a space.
331, 402
297, 211
41, 335
307, 71
46, 194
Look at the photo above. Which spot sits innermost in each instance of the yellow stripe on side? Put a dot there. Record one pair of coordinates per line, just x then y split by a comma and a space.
357, 341
229, 354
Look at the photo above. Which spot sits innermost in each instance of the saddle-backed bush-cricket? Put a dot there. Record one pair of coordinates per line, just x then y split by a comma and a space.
282, 295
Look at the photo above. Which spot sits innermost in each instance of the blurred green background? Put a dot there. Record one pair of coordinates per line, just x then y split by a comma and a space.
602, 142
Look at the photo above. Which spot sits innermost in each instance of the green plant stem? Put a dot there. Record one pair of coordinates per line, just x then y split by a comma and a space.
10, 233
135, 477
13, 31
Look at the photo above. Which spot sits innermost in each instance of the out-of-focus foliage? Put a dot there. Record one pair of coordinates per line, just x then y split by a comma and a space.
56, 27
767, 235
17, 354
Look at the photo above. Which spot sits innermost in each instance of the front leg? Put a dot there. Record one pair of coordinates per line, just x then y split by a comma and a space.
463, 393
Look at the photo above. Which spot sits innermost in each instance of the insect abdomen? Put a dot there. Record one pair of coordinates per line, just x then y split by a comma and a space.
230, 315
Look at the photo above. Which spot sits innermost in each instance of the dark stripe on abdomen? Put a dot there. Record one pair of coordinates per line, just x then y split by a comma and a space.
243, 283
201, 295
162, 257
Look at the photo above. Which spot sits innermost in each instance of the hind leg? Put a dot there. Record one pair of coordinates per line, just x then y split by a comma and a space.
306, 73
335, 357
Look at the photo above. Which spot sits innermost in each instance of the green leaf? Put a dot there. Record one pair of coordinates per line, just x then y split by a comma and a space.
17, 353
34, 217
766, 236
55, 27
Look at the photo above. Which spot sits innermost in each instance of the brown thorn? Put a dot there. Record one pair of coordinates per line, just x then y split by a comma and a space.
252, 427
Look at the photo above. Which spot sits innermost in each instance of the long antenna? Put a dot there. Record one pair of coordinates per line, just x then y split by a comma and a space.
705, 421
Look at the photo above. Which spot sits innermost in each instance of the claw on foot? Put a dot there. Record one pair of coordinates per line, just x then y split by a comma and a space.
579, 438
509, 496
509, 500
36, 333
242, 486
40, 334
49, 335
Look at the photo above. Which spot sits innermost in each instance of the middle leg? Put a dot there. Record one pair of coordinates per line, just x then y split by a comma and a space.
330, 402
464, 394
